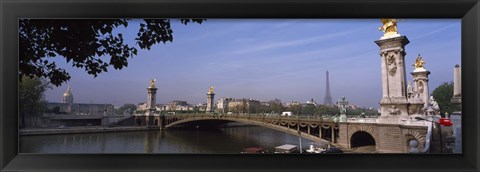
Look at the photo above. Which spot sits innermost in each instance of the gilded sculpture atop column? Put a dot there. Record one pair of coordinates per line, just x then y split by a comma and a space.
210, 91
389, 27
152, 83
419, 63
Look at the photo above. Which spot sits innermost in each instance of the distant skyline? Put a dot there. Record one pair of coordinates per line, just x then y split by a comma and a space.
267, 59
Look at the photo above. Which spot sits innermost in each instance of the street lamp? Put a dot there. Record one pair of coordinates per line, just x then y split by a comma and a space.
300, 140
443, 121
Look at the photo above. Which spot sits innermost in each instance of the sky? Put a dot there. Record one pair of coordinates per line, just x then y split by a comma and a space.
264, 59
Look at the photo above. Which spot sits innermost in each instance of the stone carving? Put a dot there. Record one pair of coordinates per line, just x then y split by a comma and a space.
416, 96
392, 64
390, 45
432, 107
420, 87
434, 103
393, 71
410, 90
394, 111
413, 147
417, 135
391, 59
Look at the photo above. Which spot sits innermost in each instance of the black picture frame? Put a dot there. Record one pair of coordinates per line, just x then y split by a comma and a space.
11, 11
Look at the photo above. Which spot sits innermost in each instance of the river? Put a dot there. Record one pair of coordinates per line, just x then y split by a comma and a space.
221, 140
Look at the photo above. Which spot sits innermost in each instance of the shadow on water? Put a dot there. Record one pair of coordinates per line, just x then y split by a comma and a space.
229, 139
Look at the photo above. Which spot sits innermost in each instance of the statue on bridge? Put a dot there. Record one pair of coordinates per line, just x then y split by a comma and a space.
410, 90
152, 83
343, 109
389, 27
419, 63
210, 90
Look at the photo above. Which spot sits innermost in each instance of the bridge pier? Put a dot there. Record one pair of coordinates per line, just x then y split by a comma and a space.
151, 121
388, 138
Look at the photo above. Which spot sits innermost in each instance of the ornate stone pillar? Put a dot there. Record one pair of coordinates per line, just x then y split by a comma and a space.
151, 101
210, 98
457, 86
394, 99
420, 80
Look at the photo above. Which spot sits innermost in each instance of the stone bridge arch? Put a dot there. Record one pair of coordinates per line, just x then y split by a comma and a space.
267, 124
370, 129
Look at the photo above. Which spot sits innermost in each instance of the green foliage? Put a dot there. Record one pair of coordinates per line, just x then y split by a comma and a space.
83, 43
327, 110
296, 109
309, 109
275, 106
443, 95
31, 95
359, 111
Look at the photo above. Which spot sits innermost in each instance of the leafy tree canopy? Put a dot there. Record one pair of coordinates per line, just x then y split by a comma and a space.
31, 98
83, 42
443, 94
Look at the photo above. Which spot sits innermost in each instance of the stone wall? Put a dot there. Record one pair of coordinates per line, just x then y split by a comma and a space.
389, 138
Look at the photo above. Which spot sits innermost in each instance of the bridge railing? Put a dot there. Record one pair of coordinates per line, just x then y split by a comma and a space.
250, 116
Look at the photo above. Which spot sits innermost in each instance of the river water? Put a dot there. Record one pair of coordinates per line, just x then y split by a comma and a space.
221, 140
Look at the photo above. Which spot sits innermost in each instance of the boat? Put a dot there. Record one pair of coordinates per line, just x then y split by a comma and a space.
316, 148
286, 148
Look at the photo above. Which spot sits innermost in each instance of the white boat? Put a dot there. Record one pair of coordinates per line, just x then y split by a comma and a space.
286, 148
316, 148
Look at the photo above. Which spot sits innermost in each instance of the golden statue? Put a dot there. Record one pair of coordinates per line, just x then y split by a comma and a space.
389, 27
210, 90
419, 63
152, 83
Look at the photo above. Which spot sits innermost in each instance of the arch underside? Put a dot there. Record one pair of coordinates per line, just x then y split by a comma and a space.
251, 122
362, 138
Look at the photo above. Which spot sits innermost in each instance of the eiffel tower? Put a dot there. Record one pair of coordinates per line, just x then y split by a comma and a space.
328, 97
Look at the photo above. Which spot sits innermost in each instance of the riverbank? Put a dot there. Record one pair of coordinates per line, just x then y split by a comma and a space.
77, 130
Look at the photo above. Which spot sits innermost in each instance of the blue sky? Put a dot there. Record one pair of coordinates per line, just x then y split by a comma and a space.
266, 59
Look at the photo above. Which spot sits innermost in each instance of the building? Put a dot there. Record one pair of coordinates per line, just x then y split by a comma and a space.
178, 105
68, 106
311, 102
142, 106
200, 107
243, 105
222, 104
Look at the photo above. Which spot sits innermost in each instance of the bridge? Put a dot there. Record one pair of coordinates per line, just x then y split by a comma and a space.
387, 138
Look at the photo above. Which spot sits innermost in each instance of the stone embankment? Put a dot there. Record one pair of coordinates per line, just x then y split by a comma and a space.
76, 130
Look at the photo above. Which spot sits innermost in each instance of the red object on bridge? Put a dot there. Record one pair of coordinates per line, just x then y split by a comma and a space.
445, 121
